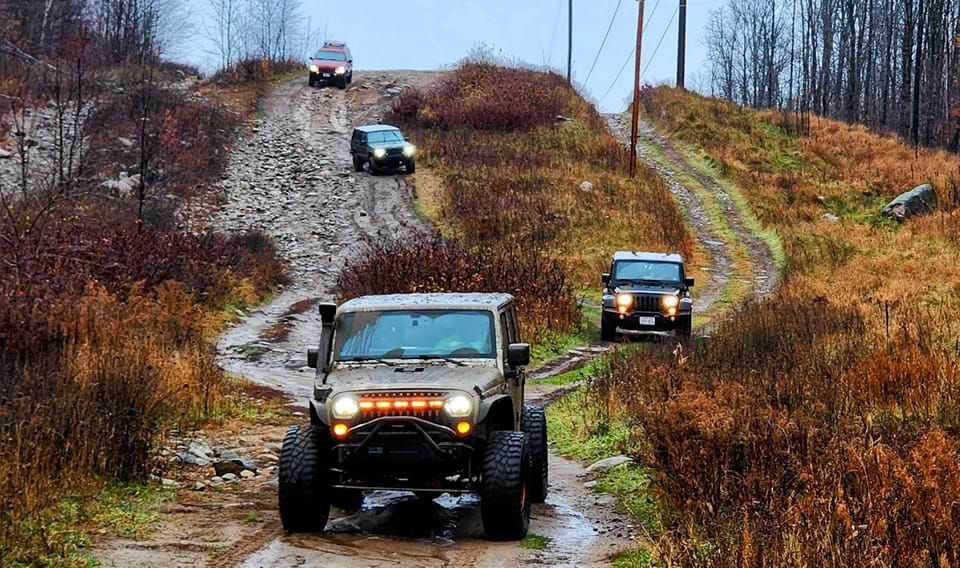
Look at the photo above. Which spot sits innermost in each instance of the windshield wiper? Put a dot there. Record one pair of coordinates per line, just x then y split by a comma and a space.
367, 360
442, 358
643, 281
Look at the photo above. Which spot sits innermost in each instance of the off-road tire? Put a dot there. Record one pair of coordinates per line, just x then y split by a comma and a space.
534, 424
350, 500
311, 82
685, 326
504, 501
608, 329
303, 498
411, 167
373, 168
357, 164
342, 82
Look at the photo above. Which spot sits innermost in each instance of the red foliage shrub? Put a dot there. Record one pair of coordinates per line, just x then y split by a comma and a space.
434, 264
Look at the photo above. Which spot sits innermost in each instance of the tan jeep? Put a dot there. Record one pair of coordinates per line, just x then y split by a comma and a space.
422, 393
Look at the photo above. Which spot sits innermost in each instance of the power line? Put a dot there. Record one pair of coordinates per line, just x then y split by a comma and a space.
602, 43
659, 43
630, 56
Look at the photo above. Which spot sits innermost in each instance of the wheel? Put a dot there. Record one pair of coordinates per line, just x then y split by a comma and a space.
534, 424
350, 78
373, 167
608, 329
685, 327
304, 501
342, 82
411, 167
504, 506
349, 500
357, 164
311, 81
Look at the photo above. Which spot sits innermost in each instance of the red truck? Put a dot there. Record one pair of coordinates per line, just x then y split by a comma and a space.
332, 64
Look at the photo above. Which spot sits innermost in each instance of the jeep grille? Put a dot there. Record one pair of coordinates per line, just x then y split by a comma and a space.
646, 303
427, 413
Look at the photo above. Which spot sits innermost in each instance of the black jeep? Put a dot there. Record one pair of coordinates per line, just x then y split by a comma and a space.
381, 146
646, 292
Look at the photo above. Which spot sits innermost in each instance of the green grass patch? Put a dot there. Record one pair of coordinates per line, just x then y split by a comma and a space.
535, 541
584, 430
639, 558
553, 344
631, 485
592, 368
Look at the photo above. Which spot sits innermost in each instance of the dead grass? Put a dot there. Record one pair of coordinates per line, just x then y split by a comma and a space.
819, 427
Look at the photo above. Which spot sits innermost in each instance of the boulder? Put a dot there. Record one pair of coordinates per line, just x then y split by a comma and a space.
192, 459
234, 466
607, 464
914, 202
830, 217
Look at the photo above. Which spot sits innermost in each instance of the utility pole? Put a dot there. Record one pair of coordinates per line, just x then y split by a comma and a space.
570, 42
682, 43
636, 96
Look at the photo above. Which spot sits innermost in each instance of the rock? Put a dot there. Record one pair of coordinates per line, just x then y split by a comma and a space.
586, 186
229, 476
126, 142
216, 480
229, 455
918, 200
268, 457
234, 466
169, 483
5, 153
830, 217
199, 486
590, 484
247, 474
200, 449
192, 459
607, 464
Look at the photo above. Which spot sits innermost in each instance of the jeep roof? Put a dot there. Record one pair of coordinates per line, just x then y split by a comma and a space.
451, 300
376, 127
648, 256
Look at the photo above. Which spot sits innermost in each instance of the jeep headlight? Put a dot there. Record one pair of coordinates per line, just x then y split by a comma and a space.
314, 69
624, 301
345, 407
409, 150
670, 301
458, 406
379, 152
340, 70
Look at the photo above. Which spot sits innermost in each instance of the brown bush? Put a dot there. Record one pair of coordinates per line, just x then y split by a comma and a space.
434, 264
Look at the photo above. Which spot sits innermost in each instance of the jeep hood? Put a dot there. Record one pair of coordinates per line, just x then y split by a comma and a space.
648, 289
425, 376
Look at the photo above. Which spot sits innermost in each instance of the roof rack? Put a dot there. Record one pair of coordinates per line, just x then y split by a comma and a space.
334, 43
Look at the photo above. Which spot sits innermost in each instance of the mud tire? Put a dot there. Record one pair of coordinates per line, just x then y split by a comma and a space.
534, 424
608, 329
303, 499
411, 166
374, 170
357, 164
504, 501
342, 82
685, 326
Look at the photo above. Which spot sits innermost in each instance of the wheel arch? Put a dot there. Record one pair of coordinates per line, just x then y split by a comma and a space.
497, 412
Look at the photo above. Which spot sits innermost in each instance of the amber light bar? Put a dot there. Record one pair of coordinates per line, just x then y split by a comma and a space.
400, 404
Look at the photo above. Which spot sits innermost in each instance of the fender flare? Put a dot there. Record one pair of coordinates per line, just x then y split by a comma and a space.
318, 412
497, 409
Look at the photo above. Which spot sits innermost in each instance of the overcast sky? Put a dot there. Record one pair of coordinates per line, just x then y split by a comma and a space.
432, 34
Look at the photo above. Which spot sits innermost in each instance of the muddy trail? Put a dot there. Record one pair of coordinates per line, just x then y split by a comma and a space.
290, 176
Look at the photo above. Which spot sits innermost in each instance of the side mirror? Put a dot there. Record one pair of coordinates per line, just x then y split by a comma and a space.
605, 277
518, 354
312, 356
688, 281
327, 311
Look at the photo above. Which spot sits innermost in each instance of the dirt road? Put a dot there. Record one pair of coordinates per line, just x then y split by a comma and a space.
291, 177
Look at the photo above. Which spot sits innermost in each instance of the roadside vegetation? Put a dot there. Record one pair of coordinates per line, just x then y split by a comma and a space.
531, 199
107, 306
819, 427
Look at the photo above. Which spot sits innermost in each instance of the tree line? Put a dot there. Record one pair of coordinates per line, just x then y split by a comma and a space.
889, 64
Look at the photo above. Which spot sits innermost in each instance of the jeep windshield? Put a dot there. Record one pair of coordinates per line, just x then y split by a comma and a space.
644, 271
415, 334
331, 56
384, 137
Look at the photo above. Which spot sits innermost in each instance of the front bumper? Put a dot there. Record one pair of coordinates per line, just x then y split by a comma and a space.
391, 161
403, 452
326, 76
646, 321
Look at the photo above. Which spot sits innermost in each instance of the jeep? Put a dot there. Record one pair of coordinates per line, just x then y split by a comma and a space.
381, 146
646, 292
331, 64
421, 393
